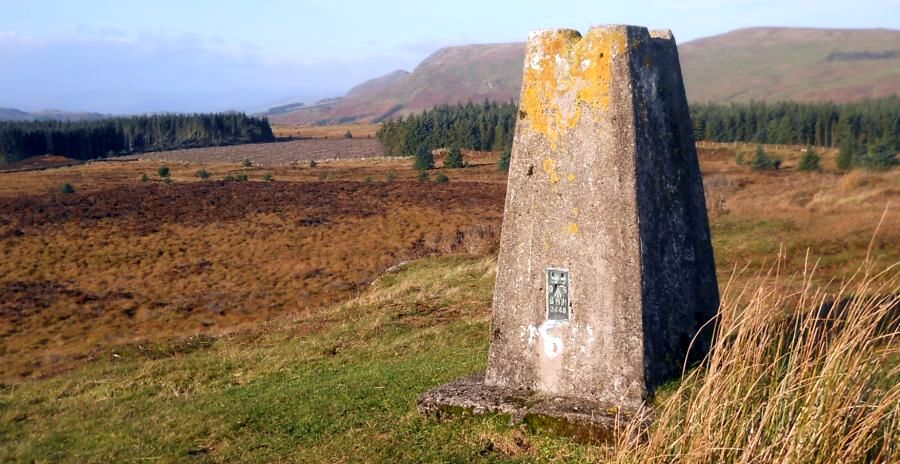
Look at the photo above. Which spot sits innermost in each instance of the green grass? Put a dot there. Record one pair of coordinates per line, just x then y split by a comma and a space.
740, 241
338, 386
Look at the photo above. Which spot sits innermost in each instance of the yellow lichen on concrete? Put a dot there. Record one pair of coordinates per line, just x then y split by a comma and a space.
595, 54
550, 169
572, 228
563, 72
546, 50
571, 178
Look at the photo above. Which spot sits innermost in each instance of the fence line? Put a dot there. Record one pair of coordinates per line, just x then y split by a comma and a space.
709, 144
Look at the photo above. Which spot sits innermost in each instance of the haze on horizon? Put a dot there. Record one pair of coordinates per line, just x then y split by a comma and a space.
154, 56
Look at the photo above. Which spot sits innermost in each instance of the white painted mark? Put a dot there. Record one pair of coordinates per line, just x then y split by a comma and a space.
553, 346
532, 334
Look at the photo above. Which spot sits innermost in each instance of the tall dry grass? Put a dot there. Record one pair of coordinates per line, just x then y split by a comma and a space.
809, 377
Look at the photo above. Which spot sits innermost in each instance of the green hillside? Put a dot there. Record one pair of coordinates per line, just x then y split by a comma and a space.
792, 64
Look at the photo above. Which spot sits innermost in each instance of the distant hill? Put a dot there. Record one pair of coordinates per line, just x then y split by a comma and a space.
379, 84
793, 64
450, 75
285, 108
747, 64
12, 114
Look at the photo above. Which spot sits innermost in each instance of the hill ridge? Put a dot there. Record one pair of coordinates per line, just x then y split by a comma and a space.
13, 114
754, 63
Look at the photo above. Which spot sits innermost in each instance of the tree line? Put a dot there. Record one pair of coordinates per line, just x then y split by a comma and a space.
124, 135
486, 126
863, 129
869, 123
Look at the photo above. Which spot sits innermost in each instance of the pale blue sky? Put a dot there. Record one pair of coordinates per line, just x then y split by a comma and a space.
137, 56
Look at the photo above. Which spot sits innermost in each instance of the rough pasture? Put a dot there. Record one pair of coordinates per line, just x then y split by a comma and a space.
274, 154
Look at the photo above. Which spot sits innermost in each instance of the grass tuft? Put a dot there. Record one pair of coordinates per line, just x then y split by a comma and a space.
804, 376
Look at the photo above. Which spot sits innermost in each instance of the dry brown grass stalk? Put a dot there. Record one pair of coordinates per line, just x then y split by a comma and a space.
806, 376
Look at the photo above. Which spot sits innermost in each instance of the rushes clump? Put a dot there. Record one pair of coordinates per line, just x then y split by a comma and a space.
802, 376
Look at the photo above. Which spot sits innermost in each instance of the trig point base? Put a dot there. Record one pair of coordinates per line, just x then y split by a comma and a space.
606, 272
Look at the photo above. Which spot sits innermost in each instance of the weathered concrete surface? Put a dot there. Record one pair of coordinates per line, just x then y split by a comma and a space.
604, 182
584, 420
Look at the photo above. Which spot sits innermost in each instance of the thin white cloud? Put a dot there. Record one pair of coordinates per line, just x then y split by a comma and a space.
153, 71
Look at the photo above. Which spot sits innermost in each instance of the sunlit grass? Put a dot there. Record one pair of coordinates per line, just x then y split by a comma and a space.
794, 376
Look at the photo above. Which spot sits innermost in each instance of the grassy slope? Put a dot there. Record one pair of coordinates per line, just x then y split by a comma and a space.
789, 64
339, 386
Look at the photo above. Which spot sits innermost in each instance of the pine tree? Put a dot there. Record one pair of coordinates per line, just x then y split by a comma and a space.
882, 155
454, 159
424, 158
849, 154
505, 158
809, 161
763, 161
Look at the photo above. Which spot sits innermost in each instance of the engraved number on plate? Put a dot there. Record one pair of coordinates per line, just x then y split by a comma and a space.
558, 291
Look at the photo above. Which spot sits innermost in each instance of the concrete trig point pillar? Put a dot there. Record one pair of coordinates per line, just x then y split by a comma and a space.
606, 271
